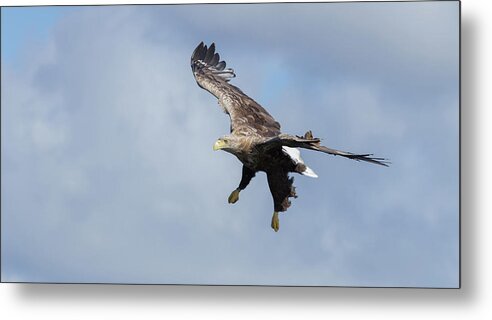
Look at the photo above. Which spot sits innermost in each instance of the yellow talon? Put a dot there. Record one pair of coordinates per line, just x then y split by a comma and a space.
275, 221
234, 197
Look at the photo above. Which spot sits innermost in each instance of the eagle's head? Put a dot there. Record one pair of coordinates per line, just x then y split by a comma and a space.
229, 143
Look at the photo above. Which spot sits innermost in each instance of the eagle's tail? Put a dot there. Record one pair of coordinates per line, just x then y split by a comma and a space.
206, 58
301, 167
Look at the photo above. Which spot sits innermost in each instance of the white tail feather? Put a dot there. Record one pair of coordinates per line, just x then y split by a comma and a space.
295, 155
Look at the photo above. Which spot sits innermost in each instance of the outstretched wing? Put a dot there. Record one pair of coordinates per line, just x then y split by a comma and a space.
309, 142
247, 116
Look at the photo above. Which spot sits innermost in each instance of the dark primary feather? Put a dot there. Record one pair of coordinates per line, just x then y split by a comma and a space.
209, 54
221, 65
215, 60
198, 55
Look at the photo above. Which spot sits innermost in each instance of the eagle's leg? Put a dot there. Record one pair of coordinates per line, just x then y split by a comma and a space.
282, 189
275, 222
234, 196
248, 174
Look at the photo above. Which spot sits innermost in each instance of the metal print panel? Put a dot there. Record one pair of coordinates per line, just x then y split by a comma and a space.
110, 116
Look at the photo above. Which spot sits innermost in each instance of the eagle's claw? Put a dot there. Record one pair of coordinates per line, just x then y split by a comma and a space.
234, 197
275, 221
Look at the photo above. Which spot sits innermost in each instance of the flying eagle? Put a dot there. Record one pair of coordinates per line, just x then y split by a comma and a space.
255, 137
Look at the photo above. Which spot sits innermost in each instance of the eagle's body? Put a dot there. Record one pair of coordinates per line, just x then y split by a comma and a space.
255, 137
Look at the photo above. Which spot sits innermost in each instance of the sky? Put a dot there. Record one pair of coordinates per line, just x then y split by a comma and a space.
108, 172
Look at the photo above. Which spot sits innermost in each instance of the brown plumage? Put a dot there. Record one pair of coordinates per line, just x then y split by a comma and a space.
255, 137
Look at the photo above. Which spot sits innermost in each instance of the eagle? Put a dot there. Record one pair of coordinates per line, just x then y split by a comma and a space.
255, 137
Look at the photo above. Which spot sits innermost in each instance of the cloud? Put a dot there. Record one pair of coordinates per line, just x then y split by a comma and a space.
109, 175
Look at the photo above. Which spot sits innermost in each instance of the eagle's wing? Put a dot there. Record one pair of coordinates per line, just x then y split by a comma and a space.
309, 142
247, 116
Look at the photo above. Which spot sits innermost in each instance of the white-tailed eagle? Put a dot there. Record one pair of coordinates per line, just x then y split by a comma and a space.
255, 137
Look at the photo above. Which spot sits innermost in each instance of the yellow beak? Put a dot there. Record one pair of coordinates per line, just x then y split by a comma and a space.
219, 144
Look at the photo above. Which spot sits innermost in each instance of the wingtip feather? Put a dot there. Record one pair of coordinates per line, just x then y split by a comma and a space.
206, 59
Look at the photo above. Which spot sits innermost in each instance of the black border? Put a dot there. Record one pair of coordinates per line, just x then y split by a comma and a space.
259, 285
